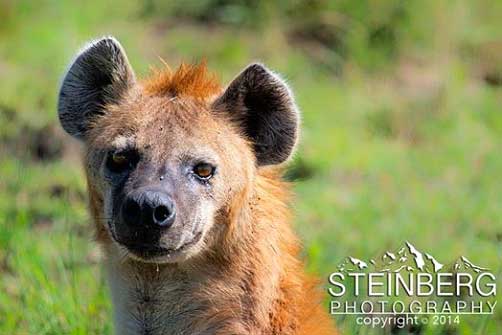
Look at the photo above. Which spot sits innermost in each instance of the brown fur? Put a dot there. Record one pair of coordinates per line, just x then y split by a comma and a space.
189, 79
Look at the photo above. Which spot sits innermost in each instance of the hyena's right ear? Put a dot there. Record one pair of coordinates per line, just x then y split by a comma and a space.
100, 74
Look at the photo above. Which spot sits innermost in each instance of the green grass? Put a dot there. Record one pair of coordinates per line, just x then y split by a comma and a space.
398, 143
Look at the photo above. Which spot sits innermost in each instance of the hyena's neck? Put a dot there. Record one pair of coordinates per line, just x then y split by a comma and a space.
232, 296
151, 299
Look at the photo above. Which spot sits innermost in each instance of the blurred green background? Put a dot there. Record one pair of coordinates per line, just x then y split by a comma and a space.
401, 135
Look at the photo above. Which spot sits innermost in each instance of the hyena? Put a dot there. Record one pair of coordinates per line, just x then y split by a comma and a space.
185, 188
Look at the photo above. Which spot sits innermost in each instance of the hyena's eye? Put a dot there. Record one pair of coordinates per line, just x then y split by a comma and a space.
120, 161
203, 171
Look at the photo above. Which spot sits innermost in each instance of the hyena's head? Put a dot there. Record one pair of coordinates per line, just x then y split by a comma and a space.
167, 156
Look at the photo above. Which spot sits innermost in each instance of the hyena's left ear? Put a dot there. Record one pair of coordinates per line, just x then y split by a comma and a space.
264, 107
100, 74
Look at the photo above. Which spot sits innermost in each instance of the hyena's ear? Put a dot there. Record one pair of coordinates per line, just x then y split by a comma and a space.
264, 107
99, 75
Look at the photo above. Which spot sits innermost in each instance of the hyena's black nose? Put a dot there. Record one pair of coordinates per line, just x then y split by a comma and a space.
149, 208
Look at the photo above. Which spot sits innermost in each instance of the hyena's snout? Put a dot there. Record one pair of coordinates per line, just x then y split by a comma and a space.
152, 227
148, 209
146, 215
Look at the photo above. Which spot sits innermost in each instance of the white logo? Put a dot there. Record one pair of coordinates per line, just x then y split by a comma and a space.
410, 284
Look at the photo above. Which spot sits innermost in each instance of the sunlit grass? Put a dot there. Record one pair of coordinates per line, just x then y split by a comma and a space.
386, 156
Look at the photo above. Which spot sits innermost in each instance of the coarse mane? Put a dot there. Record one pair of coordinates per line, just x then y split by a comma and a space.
189, 79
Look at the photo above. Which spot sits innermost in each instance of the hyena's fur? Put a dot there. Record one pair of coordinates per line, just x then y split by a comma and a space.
245, 276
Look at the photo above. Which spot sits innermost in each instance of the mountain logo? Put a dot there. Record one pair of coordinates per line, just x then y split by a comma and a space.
406, 258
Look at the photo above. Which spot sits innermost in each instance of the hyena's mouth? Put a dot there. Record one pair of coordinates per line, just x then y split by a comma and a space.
155, 251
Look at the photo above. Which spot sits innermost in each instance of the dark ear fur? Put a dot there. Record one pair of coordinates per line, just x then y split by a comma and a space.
100, 74
263, 106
